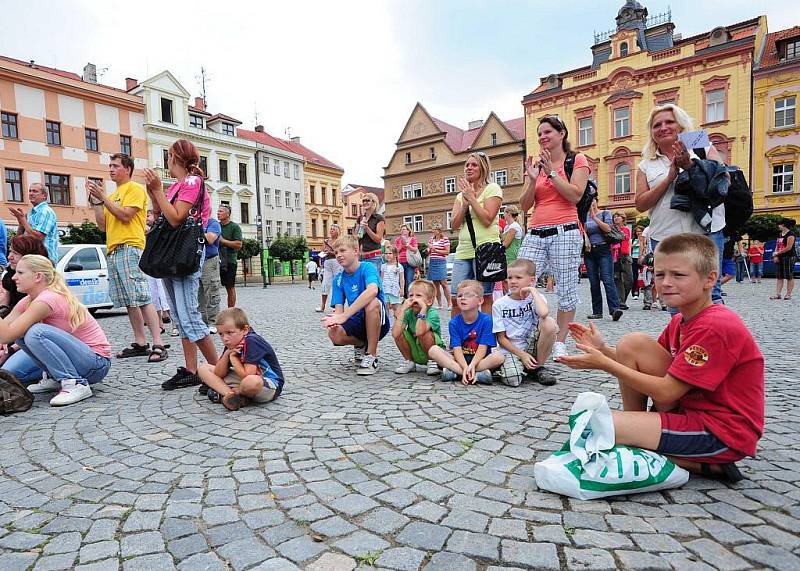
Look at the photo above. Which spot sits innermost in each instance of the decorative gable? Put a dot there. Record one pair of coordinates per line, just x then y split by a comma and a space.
419, 125
492, 126
166, 83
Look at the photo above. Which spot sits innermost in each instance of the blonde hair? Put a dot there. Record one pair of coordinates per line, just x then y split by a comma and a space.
372, 198
55, 283
335, 227
238, 316
699, 250
390, 248
474, 285
483, 164
347, 241
427, 285
513, 210
525, 265
681, 118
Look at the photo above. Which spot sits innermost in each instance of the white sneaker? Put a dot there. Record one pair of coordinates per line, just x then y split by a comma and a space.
369, 365
433, 368
358, 354
212, 330
406, 367
46, 385
559, 350
319, 309
71, 392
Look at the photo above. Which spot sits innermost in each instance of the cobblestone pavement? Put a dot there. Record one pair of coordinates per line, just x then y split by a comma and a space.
395, 472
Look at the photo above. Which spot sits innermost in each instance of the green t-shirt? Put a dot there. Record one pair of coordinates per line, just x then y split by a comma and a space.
483, 234
233, 232
410, 325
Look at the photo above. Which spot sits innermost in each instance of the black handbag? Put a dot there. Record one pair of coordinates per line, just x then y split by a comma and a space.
614, 236
490, 259
175, 252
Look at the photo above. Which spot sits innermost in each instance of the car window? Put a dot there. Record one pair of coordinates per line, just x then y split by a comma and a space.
86, 257
62, 251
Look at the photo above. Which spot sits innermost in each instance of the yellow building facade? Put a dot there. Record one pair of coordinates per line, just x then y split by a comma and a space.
323, 200
637, 66
776, 131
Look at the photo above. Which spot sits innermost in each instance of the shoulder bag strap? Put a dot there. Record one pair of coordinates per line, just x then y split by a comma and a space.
471, 229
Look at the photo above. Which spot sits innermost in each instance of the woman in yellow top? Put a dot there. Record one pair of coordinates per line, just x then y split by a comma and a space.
482, 199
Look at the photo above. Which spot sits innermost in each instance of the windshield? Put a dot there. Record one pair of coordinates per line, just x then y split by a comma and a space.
62, 251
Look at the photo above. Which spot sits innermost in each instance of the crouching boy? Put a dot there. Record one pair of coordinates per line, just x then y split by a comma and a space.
248, 370
365, 320
525, 331
704, 374
471, 340
416, 328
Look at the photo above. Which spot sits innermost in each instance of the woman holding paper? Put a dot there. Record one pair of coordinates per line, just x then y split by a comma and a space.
664, 156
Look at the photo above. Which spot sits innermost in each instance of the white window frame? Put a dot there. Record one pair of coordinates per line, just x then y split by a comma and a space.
297, 200
500, 175
415, 221
267, 197
279, 227
715, 105
268, 228
413, 190
277, 198
276, 167
286, 169
493, 139
585, 132
449, 219
299, 227
449, 184
287, 199
296, 172
265, 165
784, 178
786, 106
622, 124
622, 179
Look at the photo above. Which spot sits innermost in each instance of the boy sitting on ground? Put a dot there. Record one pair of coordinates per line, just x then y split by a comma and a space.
525, 331
416, 328
705, 374
471, 340
248, 369
365, 321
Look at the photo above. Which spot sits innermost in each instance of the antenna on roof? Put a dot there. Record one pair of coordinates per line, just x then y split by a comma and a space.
255, 112
288, 132
202, 80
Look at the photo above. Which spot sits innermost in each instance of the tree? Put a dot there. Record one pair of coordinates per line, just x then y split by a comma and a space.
287, 249
762, 227
249, 249
643, 221
87, 233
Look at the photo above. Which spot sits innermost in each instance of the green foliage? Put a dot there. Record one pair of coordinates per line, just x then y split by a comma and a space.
453, 245
423, 249
87, 233
643, 221
250, 248
288, 248
762, 227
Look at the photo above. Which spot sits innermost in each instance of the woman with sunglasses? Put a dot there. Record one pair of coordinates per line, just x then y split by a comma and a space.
370, 229
554, 239
482, 200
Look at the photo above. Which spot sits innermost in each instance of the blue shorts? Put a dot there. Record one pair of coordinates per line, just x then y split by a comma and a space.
728, 267
465, 270
356, 326
392, 299
686, 436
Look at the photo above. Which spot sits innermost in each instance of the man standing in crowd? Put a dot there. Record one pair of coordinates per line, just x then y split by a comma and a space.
122, 216
208, 293
41, 221
229, 244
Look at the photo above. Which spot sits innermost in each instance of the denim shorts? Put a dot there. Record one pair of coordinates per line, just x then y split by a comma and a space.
465, 270
183, 301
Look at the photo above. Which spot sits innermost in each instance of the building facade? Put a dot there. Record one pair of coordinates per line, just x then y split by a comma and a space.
280, 182
421, 177
351, 201
776, 132
60, 129
227, 160
640, 64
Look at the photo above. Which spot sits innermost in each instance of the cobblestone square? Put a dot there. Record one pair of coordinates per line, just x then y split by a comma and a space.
393, 472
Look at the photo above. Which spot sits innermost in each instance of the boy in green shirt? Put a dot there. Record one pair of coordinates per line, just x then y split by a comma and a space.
416, 328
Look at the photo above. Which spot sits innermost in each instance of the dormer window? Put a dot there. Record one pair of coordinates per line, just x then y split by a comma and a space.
719, 36
789, 49
227, 129
493, 139
196, 120
623, 49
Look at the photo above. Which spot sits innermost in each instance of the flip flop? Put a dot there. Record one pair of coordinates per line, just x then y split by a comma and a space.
728, 472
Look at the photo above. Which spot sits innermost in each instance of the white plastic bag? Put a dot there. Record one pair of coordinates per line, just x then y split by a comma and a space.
590, 466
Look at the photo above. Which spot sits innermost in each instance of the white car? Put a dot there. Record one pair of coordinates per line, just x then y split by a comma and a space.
85, 269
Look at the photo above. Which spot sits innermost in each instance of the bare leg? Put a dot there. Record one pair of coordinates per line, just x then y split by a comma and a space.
445, 359
402, 345
153, 321
231, 296
547, 337
642, 429
642, 353
564, 318
339, 337
454, 309
137, 325
778, 287
789, 286
212, 381
491, 361
324, 301
207, 348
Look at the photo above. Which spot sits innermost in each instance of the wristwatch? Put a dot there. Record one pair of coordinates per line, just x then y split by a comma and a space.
552, 174
420, 316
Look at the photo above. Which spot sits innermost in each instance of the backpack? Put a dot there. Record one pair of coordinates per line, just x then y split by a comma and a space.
14, 397
738, 202
589, 193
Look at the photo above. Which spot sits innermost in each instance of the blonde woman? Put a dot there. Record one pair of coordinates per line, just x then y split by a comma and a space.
481, 199
438, 250
406, 242
330, 267
56, 332
370, 230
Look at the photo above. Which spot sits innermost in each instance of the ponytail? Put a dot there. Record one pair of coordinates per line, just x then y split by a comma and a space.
55, 282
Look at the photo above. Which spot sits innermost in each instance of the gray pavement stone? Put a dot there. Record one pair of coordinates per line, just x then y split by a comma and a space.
332, 562
402, 558
467, 520
154, 562
243, 553
186, 546
602, 539
716, 555
530, 555
202, 562
423, 535
55, 562
638, 561
595, 559
384, 520
142, 543
769, 555
99, 550
446, 561
474, 544
361, 543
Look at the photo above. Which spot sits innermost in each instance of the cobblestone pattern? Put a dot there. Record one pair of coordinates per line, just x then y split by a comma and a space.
395, 472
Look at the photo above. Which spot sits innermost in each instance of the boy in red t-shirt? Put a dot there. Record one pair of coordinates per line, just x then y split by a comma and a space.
705, 373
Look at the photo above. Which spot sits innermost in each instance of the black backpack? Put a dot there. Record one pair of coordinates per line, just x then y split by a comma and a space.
589, 193
14, 397
739, 201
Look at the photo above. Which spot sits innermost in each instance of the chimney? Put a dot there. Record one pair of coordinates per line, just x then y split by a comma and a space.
90, 73
295, 140
199, 103
32, 64
259, 128
130, 83
476, 124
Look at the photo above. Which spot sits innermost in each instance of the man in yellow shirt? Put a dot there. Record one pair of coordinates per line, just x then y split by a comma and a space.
122, 215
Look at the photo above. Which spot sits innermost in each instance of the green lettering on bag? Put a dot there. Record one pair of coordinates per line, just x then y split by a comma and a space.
641, 459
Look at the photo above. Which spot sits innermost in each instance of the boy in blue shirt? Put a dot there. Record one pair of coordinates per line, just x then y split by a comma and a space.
248, 370
365, 320
471, 340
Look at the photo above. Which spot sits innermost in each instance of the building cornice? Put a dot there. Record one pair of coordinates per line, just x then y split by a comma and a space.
196, 135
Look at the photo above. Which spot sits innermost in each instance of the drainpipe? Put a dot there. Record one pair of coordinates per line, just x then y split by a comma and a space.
260, 218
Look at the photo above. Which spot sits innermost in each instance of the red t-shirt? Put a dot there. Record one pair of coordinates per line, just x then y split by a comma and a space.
402, 249
716, 354
756, 254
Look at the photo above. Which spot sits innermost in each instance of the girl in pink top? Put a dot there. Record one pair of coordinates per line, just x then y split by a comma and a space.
56, 332
554, 240
183, 160
406, 242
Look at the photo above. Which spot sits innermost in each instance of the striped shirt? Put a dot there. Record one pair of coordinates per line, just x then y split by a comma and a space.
442, 243
43, 219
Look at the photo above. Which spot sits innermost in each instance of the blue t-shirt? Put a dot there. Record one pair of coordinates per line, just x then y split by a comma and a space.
469, 335
215, 227
350, 286
596, 235
260, 353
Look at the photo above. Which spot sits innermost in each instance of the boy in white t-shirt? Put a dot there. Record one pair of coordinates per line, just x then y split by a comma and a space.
525, 331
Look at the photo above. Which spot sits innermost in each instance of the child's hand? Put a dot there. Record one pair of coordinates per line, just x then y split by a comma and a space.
333, 319
587, 335
526, 291
527, 361
468, 378
408, 303
591, 358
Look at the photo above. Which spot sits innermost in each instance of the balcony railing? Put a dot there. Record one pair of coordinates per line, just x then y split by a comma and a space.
625, 199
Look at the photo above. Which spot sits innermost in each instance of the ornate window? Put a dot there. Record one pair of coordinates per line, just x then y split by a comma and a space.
785, 111
715, 99
622, 122
783, 177
412, 191
585, 132
622, 179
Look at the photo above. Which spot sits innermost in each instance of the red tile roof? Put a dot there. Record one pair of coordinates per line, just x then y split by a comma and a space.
770, 56
460, 141
291, 146
62, 73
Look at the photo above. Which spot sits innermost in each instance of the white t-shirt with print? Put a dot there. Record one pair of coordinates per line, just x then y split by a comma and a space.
517, 318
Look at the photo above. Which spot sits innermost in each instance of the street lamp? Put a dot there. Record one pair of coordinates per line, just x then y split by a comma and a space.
265, 279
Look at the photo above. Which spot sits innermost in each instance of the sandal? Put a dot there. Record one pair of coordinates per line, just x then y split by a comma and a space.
787, 297
135, 350
234, 401
159, 352
727, 472
775, 297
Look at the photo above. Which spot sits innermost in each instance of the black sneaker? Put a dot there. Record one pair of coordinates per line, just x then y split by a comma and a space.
202, 389
542, 376
595, 316
616, 315
214, 397
181, 380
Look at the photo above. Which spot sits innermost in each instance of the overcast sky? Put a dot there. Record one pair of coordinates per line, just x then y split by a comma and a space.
343, 75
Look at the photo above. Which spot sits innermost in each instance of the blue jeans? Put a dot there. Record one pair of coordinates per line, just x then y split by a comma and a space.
61, 355
24, 367
741, 269
376, 261
756, 269
600, 267
408, 275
